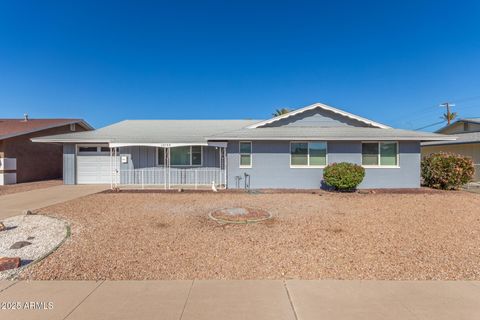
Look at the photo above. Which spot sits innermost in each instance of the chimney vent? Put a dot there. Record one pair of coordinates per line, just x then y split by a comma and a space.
25, 117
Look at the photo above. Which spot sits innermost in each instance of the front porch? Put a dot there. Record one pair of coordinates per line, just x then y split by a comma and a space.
168, 167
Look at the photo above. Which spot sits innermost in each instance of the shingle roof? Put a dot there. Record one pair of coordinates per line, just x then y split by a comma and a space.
472, 120
471, 137
332, 133
199, 131
153, 131
15, 127
476, 120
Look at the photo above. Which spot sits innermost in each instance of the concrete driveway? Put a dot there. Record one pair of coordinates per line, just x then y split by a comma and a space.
14, 204
251, 299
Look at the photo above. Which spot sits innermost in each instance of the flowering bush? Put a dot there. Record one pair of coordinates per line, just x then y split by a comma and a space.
343, 176
446, 170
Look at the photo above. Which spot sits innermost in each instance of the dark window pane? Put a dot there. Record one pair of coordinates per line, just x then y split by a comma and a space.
245, 160
299, 154
105, 149
196, 155
370, 154
161, 156
245, 147
318, 153
87, 149
388, 154
180, 156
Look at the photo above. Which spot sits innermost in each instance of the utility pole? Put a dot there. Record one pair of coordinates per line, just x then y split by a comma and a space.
448, 105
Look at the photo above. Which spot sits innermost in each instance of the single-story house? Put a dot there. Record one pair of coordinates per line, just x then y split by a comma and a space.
21, 160
467, 132
288, 151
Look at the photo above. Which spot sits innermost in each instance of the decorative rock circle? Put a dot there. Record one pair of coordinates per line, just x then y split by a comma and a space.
239, 215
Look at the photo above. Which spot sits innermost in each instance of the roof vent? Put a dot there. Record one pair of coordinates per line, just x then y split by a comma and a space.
25, 117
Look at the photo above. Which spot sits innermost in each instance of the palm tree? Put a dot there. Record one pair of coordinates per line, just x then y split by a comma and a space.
449, 116
279, 112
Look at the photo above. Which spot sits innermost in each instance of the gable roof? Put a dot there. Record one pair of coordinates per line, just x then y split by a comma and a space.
468, 120
16, 127
323, 107
152, 132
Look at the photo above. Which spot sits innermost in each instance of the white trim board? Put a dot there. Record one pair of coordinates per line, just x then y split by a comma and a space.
324, 107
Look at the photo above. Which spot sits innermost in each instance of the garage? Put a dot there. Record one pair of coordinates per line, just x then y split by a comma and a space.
93, 164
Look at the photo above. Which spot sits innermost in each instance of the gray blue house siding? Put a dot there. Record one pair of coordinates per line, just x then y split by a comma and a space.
271, 166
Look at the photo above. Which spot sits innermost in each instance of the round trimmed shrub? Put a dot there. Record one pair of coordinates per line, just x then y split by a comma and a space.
447, 171
343, 176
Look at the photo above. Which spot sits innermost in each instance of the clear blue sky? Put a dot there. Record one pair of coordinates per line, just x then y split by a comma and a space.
105, 62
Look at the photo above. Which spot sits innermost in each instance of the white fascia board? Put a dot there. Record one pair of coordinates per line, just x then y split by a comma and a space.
217, 144
158, 145
324, 107
356, 138
69, 140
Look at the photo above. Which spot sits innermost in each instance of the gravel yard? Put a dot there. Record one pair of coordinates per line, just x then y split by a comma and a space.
40, 235
432, 235
27, 186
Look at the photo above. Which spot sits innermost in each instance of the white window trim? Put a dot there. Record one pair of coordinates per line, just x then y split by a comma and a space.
379, 166
308, 166
240, 155
98, 152
180, 165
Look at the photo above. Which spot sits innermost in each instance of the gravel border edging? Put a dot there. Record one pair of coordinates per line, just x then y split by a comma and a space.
222, 221
68, 233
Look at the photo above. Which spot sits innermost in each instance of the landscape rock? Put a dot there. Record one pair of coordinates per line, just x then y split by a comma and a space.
2, 226
28, 212
30, 238
9, 263
20, 244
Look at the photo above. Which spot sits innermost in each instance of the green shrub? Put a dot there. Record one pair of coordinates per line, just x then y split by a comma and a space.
446, 170
343, 176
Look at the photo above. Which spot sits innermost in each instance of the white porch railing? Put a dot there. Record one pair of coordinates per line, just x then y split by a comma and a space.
172, 177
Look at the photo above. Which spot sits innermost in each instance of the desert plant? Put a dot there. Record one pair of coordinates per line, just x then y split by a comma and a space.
343, 176
446, 171
281, 111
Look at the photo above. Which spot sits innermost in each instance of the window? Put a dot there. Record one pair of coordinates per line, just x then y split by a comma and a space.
466, 126
245, 154
185, 156
89, 149
308, 154
196, 156
160, 156
380, 154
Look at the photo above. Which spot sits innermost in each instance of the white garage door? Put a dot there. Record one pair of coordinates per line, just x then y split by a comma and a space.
93, 165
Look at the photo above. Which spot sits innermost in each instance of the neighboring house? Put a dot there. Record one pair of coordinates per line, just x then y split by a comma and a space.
467, 132
288, 151
21, 160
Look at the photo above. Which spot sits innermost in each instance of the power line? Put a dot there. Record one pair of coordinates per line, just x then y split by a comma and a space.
430, 125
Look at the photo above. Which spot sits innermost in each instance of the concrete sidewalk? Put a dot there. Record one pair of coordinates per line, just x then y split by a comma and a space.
14, 204
212, 299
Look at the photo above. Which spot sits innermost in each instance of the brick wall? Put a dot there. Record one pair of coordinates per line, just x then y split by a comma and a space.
36, 161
